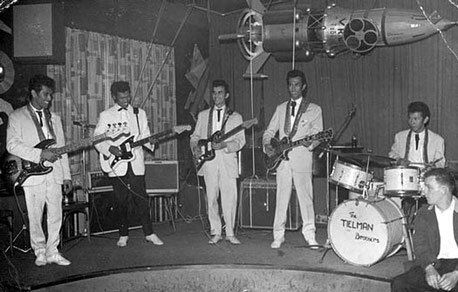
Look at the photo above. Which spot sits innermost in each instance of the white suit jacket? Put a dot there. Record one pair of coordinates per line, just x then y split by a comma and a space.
310, 123
436, 147
113, 116
234, 143
22, 136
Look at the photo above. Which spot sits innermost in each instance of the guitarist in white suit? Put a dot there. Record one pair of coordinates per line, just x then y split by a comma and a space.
296, 119
220, 173
127, 177
28, 126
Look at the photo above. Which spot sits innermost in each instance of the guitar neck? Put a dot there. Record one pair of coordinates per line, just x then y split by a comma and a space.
230, 133
299, 142
155, 138
81, 144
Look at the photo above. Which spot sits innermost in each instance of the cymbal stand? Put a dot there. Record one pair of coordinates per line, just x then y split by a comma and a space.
24, 230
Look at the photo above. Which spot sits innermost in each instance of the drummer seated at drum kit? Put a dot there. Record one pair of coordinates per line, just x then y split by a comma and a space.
417, 149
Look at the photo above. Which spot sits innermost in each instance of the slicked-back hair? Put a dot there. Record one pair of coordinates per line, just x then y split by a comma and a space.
119, 86
222, 83
294, 74
419, 107
38, 81
443, 177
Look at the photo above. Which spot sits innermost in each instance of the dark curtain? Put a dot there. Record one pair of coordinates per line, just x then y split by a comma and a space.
380, 84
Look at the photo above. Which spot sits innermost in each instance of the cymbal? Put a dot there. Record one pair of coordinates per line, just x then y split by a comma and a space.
8, 68
374, 160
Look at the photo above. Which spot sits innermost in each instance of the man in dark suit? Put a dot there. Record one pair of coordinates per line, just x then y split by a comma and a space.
435, 239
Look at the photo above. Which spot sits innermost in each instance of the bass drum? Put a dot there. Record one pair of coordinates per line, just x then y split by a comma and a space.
364, 232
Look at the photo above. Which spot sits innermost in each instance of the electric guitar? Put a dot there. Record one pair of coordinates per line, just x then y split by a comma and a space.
17, 170
109, 163
281, 148
205, 145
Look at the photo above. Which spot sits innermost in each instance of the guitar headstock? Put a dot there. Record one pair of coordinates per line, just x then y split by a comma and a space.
250, 123
325, 135
181, 128
116, 130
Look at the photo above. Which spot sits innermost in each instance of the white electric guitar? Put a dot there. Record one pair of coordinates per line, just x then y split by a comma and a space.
109, 163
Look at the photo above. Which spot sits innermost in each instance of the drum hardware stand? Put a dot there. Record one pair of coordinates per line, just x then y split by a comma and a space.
327, 247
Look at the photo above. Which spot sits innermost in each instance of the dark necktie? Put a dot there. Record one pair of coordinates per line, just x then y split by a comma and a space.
417, 139
219, 114
40, 114
121, 108
293, 105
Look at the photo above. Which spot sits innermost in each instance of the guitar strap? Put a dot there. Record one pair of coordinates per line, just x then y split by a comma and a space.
302, 109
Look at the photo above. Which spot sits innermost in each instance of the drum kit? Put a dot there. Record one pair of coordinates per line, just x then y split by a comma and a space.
371, 226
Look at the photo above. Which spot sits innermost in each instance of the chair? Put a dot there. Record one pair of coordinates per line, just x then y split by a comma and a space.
6, 218
69, 210
170, 206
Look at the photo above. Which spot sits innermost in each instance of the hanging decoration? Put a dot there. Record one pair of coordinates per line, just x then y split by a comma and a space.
289, 31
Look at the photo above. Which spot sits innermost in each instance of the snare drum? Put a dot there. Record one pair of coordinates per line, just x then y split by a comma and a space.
363, 232
401, 180
349, 176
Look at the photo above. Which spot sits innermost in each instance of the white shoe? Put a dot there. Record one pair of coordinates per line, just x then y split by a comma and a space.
233, 239
57, 259
40, 260
277, 243
215, 238
154, 239
313, 244
122, 241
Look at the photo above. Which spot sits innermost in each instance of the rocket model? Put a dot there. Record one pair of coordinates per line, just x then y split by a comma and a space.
330, 31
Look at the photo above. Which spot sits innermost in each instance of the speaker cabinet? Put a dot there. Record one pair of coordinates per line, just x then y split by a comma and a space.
257, 208
161, 176
38, 33
102, 215
192, 201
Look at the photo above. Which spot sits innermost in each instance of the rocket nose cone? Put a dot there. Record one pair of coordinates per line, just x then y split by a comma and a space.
445, 24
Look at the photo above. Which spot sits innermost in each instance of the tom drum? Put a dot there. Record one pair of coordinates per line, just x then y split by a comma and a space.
364, 232
401, 180
349, 176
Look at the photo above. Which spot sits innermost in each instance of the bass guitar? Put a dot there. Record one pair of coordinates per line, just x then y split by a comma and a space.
205, 145
281, 148
17, 170
109, 163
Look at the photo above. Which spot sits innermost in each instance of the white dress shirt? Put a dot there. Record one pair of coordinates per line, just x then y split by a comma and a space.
448, 248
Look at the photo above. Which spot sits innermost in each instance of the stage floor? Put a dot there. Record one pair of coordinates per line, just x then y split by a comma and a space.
188, 246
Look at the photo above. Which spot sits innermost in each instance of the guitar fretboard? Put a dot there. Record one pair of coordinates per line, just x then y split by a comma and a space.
81, 144
154, 138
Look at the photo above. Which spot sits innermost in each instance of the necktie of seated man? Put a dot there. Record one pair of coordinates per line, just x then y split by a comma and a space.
293, 106
417, 139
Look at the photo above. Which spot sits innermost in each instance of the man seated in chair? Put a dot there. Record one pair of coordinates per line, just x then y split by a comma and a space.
435, 238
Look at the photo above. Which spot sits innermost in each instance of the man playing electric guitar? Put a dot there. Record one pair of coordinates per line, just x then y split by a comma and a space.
29, 125
295, 119
127, 178
221, 172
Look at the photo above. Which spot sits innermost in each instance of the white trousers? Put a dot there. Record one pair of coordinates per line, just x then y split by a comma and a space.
36, 197
217, 181
304, 189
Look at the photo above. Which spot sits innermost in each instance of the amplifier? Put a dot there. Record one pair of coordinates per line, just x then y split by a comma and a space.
98, 181
161, 176
257, 207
